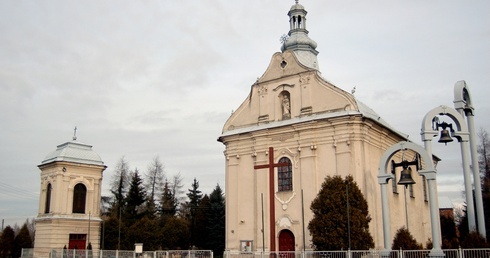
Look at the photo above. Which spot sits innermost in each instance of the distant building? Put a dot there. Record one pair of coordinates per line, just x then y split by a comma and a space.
69, 205
446, 207
306, 128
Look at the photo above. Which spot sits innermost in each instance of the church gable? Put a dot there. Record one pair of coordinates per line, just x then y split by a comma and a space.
281, 65
287, 93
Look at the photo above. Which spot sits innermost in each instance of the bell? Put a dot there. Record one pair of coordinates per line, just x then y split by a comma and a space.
406, 177
445, 137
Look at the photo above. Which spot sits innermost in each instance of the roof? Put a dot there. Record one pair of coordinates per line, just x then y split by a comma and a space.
75, 152
371, 114
445, 203
364, 111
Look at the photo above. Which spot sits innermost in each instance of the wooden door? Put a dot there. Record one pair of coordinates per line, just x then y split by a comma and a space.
286, 243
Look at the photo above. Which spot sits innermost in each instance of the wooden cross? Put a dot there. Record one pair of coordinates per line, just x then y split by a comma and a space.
272, 209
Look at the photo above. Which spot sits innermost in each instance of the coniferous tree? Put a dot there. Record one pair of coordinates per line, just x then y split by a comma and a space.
168, 205
22, 240
332, 225
134, 199
111, 233
216, 222
7, 242
194, 196
200, 231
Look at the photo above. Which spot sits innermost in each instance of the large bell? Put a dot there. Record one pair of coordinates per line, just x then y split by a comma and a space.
406, 177
445, 137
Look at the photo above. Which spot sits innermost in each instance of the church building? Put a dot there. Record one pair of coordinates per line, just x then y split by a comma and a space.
69, 205
292, 131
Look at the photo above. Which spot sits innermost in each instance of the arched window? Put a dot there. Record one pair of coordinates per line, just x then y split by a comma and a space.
285, 175
47, 205
79, 196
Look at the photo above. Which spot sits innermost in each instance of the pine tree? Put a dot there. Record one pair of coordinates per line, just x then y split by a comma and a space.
22, 240
200, 232
216, 222
7, 242
332, 225
134, 199
168, 206
194, 196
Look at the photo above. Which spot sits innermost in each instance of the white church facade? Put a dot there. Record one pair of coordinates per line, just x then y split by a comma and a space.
69, 205
294, 129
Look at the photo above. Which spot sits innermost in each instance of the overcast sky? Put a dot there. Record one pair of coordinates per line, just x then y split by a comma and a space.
146, 79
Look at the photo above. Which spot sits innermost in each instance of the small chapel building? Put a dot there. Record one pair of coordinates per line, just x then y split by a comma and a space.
294, 129
69, 203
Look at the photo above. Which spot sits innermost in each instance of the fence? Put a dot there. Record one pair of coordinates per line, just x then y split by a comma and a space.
74, 253
448, 253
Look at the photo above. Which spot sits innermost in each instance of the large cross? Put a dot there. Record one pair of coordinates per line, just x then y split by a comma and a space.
272, 209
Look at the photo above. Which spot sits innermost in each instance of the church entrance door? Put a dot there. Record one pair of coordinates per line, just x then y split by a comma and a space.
77, 241
286, 243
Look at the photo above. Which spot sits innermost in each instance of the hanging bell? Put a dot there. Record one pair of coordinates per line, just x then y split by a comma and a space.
406, 177
445, 137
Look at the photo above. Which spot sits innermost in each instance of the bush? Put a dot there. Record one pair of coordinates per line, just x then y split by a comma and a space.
474, 240
404, 240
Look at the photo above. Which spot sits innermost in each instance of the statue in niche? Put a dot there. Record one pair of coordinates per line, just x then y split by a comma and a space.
286, 107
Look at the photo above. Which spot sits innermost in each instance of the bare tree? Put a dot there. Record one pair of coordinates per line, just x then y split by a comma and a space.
484, 151
177, 188
119, 184
155, 177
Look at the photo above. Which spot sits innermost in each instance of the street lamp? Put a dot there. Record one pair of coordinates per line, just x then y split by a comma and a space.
429, 173
430, 129
462, 103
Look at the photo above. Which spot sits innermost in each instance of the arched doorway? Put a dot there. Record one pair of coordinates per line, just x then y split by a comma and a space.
286, 242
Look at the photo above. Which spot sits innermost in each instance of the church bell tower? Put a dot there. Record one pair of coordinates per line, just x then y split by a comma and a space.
69, 203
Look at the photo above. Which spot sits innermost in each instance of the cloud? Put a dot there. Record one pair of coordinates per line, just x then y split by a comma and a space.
148, 78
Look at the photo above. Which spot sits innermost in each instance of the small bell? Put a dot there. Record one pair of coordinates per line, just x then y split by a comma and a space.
445, 137
406, 177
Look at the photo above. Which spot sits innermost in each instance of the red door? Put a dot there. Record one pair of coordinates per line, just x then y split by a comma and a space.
77, 241
286, 243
